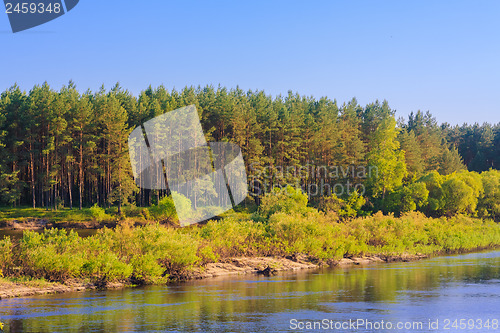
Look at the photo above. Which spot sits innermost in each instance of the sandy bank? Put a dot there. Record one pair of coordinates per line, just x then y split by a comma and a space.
233, 266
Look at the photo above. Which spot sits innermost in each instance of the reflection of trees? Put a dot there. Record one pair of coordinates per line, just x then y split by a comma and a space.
197, 305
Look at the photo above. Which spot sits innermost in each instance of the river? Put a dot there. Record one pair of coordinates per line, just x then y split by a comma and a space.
458, 293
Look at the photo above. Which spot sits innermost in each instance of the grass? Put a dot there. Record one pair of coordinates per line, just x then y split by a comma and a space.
60, 215
27, 281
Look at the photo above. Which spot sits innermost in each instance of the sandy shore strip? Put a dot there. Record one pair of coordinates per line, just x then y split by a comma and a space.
234, 266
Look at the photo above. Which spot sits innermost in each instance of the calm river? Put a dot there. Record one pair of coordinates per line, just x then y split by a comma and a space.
446, 294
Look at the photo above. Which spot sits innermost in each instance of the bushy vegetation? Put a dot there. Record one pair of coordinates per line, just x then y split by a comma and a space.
142, 255
283, 225
286, 200
98, 213
460, 192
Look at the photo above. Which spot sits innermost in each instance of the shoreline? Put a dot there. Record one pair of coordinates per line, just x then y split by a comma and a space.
230, 267
38, 224
192, 264
237, 266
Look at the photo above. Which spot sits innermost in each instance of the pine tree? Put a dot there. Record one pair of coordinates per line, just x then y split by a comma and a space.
351, 148
450, 161
115, 134
413, 153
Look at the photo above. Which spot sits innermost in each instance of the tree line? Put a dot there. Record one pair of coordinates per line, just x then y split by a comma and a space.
69, 149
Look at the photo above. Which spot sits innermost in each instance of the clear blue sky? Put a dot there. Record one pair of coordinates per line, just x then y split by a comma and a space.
441, 56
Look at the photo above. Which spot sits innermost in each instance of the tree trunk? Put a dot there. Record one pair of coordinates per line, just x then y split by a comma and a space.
32, 167
70, 190
80, 174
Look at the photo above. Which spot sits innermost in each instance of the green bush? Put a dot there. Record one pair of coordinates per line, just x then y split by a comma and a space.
286, 200
132, 210
433, 182
166, 210
6, 256
407, 199
105, 266
459, 197
489, 202
348, 208
98, 213
54, 255
147, 270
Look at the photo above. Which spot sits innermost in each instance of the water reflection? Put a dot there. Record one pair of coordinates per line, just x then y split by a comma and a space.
456, 287
18, 234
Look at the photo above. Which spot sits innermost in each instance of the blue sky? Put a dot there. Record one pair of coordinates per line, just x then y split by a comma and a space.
441, 56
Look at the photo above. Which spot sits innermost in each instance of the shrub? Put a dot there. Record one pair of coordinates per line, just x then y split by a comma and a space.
167, 210
132, 210
207, 254
147, 270
55, 255
105, 266
489, 202
348, 208
353, 205
407, 198
98, 213
153, 253
286, 200
6, 256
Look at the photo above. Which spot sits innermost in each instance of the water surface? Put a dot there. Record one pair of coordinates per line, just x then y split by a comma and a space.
439, 290
18, 234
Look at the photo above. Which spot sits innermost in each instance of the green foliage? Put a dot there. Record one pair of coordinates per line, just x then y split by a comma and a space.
330, 203
387, 158
459, 196
105, 266
450, 161
286, 200
348, 208
353, 205
433, 182
459, 192
146, 255
167, 210
98, 213
147, 270
419, 194
64, 148
164, 210
6, 256
155, 254
413, 152
53, 255
10, 187
489, 203
132, 210
407, 198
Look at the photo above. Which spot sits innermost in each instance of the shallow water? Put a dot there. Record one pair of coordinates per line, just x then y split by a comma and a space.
424, 296
18, 234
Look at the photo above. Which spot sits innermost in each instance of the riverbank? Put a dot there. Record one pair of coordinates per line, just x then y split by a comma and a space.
40, 224
25, 218
240, 243
10, 288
